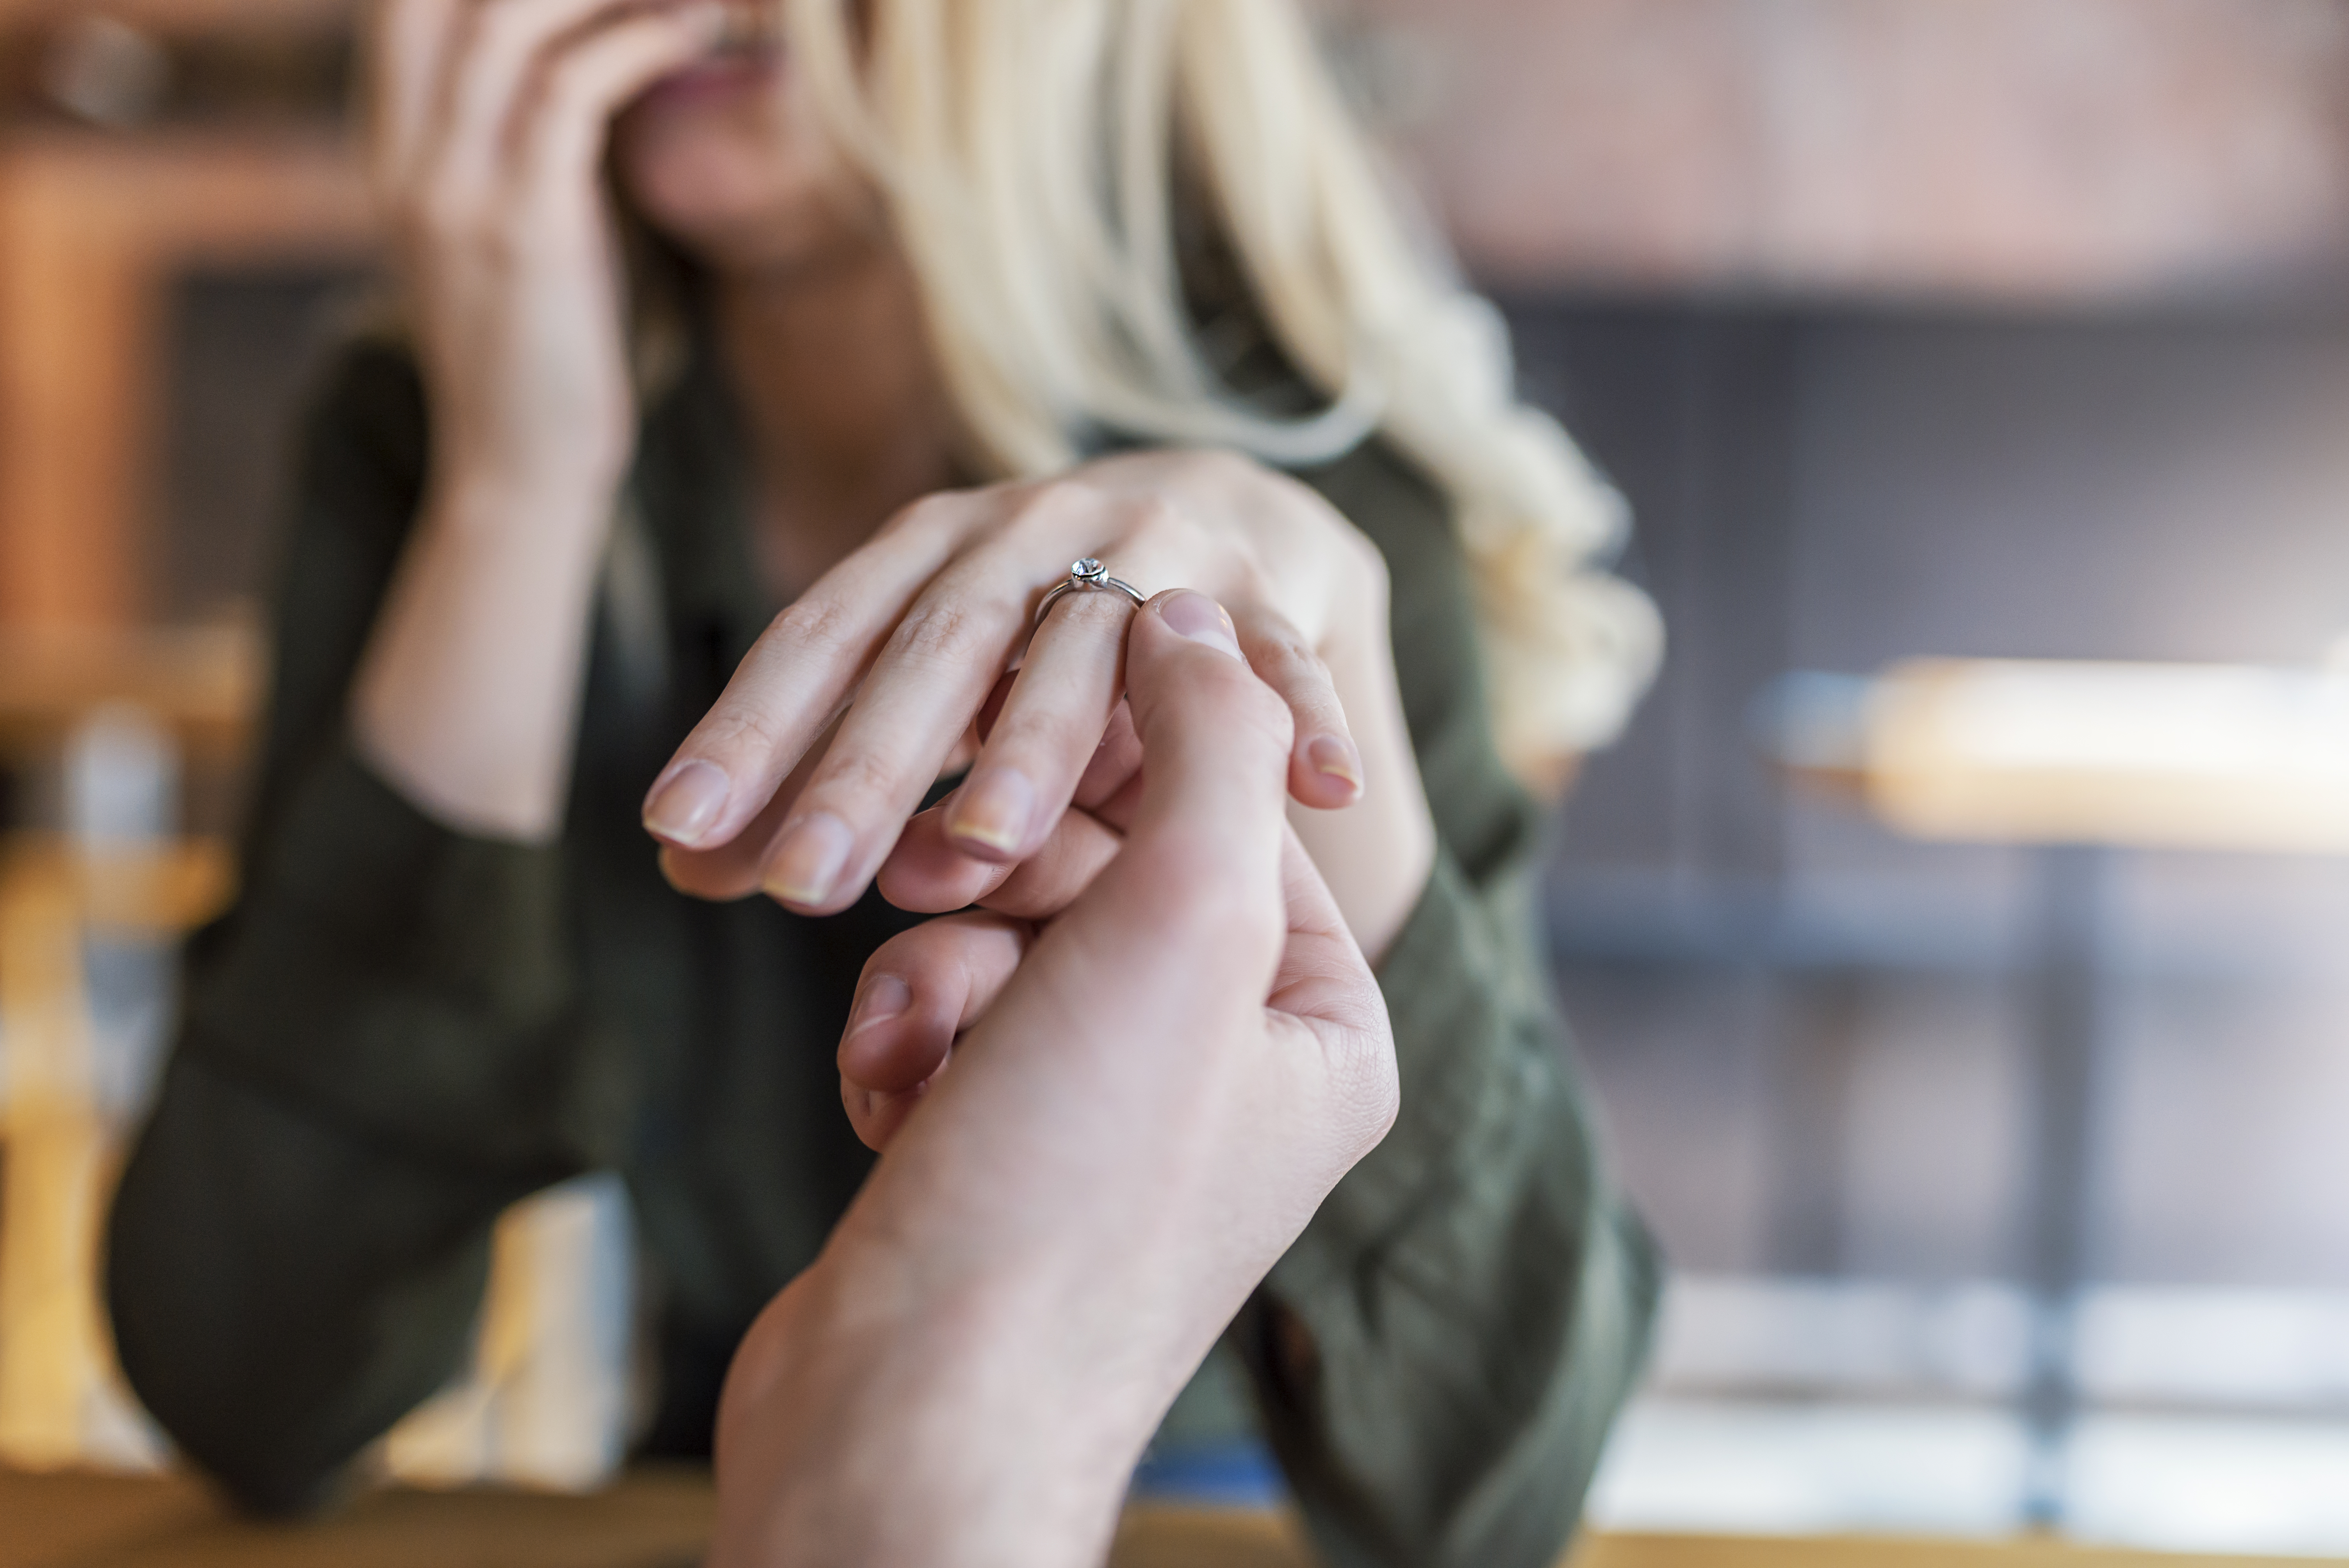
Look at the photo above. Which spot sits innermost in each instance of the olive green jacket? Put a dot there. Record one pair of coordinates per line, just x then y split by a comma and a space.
400, 1029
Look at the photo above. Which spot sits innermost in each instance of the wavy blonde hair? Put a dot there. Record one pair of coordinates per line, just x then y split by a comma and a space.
1029, 151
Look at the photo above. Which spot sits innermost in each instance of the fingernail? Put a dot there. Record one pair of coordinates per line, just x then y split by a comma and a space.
1201, 619
807, 864
1329, 755
994, 807
883, 997
682, 807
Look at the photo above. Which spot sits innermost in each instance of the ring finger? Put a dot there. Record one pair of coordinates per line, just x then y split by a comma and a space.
1050, 726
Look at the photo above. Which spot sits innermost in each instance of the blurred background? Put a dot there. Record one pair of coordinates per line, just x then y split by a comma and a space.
1971, 1029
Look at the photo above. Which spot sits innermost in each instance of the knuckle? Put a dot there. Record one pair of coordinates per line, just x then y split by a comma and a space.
1207, 900
852, 783
938, 630
934, 516
1244, 711
1252, 581
1046, 733
1376, 1093
1267, 721
1280, 649
738, 729
1158, 517
437, 211
1039, 507
818, 621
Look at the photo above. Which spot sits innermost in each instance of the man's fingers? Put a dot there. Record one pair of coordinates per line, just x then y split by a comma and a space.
1323, 975
920, 990
1210, 729
1199, 877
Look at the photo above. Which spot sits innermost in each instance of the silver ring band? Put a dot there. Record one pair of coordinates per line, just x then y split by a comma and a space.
1087, 575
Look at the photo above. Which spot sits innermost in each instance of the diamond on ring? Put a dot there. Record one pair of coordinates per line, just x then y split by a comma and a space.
1085, 576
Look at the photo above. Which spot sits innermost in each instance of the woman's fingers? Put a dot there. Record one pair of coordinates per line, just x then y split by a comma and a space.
917, 700
1325, 769
926, 874
1048, 732
918, 625
914, 706
411, 44
732, 870
589, 82
489, 75
798, 678
1115, 762
1048, 882
919, 991
1276, 599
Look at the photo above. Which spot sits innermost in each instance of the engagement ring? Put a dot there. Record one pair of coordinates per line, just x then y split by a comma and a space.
1086, 574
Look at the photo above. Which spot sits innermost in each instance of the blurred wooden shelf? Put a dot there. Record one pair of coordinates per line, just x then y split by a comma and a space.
187, 16
203, 683
93, 232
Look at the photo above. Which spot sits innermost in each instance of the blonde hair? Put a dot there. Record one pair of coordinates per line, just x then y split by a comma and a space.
1029, 153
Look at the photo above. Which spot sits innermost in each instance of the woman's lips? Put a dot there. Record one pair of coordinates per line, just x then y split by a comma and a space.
724, 74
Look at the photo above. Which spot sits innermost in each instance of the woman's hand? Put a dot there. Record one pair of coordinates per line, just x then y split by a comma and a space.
802, 778
493, 118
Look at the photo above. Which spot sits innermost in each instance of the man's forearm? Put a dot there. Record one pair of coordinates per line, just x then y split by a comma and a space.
878, 1416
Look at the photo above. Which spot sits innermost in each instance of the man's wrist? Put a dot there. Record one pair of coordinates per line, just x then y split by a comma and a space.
870, 1369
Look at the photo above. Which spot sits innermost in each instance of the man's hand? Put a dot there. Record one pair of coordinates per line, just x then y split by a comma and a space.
1150, 1102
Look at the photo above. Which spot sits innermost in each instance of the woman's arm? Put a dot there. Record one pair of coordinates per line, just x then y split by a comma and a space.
492, 126
377, 1047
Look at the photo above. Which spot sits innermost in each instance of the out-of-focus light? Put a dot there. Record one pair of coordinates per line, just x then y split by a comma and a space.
2015, 751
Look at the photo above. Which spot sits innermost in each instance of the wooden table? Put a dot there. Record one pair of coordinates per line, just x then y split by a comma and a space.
659, 1518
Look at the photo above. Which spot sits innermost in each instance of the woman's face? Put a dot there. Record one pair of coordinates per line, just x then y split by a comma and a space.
728, 159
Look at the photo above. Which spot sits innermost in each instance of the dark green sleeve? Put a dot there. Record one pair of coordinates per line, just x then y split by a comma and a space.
1440, 1354
366, 1065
